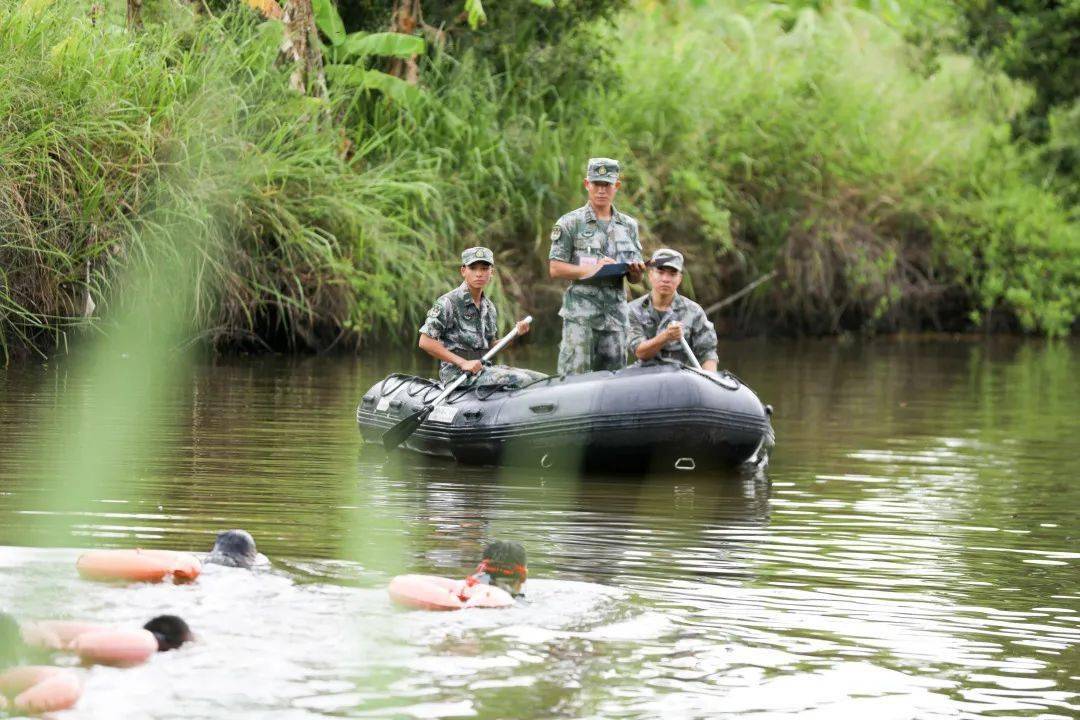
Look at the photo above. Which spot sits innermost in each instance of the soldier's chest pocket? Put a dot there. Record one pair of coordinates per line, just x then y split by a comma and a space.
588, 244
489, 325
625, 249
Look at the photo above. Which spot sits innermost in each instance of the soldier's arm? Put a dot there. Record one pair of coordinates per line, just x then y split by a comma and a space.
437, 350
562, 249
567, 271
431, 332
648, 349
637, 267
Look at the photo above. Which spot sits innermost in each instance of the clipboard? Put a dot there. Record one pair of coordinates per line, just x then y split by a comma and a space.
611, 270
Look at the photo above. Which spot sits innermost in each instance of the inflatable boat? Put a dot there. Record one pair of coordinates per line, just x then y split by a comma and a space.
639, 419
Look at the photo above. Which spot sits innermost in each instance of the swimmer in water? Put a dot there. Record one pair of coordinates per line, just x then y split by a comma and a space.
503, 566
499, 579
169, 631
31, 689
235, 548
100, 644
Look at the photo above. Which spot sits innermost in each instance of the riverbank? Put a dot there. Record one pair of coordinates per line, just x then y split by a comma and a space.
877, 180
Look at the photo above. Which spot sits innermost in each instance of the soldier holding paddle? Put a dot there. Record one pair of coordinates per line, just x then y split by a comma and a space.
666, 324
462, 324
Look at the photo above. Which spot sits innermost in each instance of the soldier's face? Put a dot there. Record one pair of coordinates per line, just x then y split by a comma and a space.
665, 280
477, 275
602, 194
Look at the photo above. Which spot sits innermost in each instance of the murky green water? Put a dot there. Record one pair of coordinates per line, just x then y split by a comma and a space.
911, 552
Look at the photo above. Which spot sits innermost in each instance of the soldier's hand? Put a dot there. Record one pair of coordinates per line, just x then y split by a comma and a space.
522, 327
674, 331
471, 366
593, 269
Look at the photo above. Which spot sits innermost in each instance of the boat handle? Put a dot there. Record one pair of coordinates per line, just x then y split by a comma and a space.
685, 463
542, 408
472, 414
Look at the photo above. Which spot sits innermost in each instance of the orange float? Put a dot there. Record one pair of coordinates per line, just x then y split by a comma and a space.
37, 689
431, 592
120, 648
138, 565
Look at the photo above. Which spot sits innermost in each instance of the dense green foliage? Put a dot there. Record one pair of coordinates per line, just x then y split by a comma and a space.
100, 127
883, 196
1037, 41
816, 144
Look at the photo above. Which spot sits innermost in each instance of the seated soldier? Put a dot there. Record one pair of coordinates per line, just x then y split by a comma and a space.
659, 319
461, 326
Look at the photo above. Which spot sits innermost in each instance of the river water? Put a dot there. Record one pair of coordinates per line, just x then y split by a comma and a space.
910, 552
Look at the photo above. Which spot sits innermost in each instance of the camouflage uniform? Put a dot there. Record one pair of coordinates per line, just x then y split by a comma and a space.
469, 331
647, 322
594, 311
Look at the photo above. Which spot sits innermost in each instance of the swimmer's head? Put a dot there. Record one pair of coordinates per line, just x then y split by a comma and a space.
171, 632
235, 548
504, 566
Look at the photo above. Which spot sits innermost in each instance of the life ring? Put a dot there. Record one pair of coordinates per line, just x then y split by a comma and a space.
38, 689
120, 648
431, 592
138, 565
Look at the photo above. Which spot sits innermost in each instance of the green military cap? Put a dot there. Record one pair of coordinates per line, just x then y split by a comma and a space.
477, 254
602, 170
665, 257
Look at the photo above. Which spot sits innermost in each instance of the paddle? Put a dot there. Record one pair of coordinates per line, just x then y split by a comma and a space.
688, 351
401, 432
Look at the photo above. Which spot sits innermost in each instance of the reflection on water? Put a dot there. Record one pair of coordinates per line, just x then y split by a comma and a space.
911, 551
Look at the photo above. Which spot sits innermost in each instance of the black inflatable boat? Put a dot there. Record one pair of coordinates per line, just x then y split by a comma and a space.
640, 418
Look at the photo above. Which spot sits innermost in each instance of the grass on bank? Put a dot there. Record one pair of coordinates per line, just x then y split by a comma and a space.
306, 243
885, 196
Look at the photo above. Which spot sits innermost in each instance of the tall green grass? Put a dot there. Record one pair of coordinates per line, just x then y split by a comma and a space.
306, 242
886, 195
883, 195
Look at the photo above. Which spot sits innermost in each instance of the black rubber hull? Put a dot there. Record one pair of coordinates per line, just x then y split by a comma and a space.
638, 419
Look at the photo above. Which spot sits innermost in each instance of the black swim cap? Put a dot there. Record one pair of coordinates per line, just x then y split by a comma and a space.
171, 631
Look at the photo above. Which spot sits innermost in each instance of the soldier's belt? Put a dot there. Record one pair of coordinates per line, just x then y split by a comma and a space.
468, 353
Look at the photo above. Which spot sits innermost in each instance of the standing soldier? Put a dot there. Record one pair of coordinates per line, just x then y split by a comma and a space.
461, 326
659, 319
583, 241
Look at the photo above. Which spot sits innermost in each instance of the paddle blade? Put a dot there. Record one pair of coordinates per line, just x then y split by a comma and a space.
401, 432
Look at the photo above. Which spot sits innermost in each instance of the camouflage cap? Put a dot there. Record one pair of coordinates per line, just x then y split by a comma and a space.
665, 257
602, 170
477, 254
